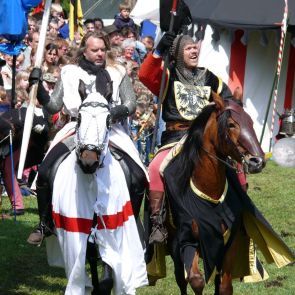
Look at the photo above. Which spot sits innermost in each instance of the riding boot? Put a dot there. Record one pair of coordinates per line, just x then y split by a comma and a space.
45, 226
159, 232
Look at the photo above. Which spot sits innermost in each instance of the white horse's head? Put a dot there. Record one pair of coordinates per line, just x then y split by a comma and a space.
92, 132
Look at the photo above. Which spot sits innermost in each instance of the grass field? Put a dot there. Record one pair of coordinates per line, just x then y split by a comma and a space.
24, 269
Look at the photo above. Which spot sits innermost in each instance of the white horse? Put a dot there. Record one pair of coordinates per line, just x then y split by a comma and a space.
91, 205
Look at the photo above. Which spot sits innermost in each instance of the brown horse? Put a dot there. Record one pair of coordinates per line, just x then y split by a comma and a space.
208, 205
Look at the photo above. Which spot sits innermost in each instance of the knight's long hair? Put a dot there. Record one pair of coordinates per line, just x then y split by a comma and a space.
189, 156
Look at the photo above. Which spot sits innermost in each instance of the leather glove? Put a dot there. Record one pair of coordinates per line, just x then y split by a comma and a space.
119, 113
42, 95
35, 76
39, 128
165, 43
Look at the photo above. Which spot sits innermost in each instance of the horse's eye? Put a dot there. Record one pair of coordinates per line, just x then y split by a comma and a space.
231, 125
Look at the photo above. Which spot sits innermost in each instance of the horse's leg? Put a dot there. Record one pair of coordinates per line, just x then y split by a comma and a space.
106, 283
195, 277
226, 287
178, 266
91, 255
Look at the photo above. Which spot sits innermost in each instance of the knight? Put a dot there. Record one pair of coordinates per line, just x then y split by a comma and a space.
88, 74
188, 89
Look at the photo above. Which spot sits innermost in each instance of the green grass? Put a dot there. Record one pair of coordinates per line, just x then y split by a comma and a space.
24, 269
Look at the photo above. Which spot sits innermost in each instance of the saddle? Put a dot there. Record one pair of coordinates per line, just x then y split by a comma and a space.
134, 175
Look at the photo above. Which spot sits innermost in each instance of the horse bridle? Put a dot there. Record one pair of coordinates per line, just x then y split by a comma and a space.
96, 148
233, 108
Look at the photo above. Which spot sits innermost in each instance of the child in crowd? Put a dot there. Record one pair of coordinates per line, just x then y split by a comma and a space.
22, 97
4, 104
148, 42
22, 80
123, 19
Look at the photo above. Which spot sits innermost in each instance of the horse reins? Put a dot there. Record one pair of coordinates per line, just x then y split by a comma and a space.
227, 108
220, 160
100, 147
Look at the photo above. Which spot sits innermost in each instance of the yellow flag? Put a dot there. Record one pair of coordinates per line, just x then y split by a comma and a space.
75, 18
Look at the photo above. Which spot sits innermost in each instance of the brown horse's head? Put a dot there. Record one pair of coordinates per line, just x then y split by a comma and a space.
236, 135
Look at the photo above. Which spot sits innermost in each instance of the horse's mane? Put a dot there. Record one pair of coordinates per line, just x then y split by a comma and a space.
189, 155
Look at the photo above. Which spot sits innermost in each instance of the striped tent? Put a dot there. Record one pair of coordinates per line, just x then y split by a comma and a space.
240, 41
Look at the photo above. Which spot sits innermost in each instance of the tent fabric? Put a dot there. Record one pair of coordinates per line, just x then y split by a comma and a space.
101, 8
250, 14
146, 10
260, 62
259, 59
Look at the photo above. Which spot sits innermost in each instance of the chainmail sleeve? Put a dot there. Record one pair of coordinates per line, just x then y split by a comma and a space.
51, 103
127, 94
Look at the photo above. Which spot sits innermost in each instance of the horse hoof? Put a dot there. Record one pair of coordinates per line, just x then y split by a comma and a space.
197, 283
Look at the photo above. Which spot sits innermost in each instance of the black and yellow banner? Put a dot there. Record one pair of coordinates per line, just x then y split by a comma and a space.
75, 18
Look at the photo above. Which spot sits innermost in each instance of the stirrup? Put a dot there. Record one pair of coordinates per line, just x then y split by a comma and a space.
37, 236
159, 234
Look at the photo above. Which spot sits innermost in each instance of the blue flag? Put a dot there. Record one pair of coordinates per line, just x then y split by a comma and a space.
13, 20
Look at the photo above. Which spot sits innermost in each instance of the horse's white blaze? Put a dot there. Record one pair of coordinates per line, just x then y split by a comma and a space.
92, 129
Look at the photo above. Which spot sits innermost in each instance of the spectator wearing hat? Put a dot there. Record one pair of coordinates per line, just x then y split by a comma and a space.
113, 34
123, 19
49, 82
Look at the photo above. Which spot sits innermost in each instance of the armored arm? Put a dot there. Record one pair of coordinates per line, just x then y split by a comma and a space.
128, 100
51, 103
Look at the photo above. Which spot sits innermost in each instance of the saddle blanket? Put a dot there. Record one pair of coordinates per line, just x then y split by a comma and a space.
76, 196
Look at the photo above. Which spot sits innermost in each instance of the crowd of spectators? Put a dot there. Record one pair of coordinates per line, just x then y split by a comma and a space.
128, 50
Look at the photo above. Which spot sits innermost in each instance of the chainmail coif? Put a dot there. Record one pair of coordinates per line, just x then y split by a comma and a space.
185, 75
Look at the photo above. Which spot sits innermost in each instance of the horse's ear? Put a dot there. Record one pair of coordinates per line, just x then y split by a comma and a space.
218, 101
238, 94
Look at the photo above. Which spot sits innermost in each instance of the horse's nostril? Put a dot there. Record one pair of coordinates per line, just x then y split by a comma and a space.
255, 160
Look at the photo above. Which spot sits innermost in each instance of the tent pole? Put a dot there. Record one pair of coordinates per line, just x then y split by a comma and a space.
284, 27
267, 109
